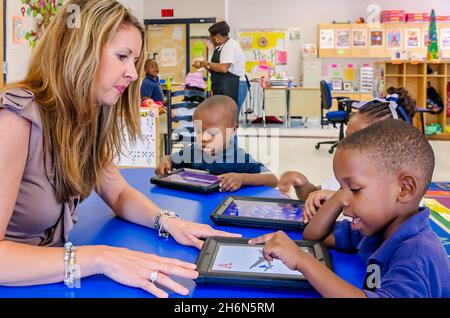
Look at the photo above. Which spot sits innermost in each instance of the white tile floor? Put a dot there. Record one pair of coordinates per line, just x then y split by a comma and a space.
283, 149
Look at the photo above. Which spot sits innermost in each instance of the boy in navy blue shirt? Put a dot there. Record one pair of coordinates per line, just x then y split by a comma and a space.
150, 87
216, 151
384, 170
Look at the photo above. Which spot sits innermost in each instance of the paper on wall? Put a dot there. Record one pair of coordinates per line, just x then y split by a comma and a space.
168, 57
177, 33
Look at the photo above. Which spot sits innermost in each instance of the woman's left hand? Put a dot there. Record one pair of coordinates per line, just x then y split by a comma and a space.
191, 234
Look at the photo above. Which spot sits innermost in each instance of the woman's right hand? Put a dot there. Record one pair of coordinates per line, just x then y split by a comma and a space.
314, 201
291, 179
133, 268
165, 165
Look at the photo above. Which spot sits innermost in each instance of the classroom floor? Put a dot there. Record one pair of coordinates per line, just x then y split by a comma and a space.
293, 149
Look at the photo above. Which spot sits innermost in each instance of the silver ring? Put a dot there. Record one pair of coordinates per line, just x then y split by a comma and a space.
154, 276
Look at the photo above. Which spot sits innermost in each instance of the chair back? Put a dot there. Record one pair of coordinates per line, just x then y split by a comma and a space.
325, 95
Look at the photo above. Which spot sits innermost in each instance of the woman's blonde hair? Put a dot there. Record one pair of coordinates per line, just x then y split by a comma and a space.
81, 137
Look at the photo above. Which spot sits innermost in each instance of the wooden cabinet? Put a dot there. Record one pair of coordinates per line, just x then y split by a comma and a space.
359, 96
415, 78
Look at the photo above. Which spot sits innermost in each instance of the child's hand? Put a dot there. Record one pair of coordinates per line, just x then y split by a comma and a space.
165, 165
314, 201
230, 182
278, 245
291, 179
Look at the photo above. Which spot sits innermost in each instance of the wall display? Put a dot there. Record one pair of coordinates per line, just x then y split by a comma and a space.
412, 38
19, 31
426, 37
445, 39
265, 51
327, 39
394, 38
359, 37
342, 39
376, 38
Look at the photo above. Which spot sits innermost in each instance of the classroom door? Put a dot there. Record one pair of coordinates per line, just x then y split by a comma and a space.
167, 44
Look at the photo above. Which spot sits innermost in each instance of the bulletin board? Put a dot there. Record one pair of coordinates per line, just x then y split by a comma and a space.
265, 50
145, 152
169, 44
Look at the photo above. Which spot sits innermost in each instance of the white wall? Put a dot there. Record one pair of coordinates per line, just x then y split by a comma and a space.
185, 8
136, 6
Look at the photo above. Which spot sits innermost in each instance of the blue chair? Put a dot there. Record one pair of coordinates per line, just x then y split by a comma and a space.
333, 117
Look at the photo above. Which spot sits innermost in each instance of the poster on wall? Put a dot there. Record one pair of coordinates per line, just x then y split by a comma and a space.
426, 37
412, 37
327, 39
265, 51
376, 38
19, 31
168, 57
394, 38
445, 39
359, 38
342, 39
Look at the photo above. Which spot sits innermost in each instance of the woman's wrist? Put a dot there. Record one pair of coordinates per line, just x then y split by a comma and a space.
168, 223
91, 260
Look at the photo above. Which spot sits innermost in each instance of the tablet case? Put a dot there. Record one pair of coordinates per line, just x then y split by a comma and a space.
220, 219
159, 180
233, 278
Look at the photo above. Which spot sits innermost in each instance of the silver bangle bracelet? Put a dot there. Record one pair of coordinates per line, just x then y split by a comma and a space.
158, 225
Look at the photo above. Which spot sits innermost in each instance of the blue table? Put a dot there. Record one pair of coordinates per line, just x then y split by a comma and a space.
98, 225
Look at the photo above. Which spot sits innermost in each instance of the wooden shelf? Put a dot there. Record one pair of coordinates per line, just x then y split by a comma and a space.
370, 51
442, 136
414, 77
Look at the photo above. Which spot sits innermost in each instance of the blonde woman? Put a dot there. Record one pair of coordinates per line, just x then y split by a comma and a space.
61, 127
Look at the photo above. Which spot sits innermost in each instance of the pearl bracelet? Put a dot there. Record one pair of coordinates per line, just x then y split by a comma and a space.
71, 269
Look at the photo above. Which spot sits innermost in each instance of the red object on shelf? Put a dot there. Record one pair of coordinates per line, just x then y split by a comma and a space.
392, 16
443, 18
417, 17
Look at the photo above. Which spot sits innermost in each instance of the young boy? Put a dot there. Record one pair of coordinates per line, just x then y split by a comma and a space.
215, 150
383, 170
150, 87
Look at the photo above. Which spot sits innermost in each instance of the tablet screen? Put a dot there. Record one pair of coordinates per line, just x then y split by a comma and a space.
265, 210
249, 259
192, 178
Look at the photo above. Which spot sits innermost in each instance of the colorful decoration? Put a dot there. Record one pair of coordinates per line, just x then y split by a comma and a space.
433, 50
42, 11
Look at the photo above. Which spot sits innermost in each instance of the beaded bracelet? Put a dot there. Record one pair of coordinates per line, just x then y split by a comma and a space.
159, 226
71, 269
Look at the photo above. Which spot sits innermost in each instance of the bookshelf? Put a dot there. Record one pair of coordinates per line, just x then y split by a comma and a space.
413, 76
